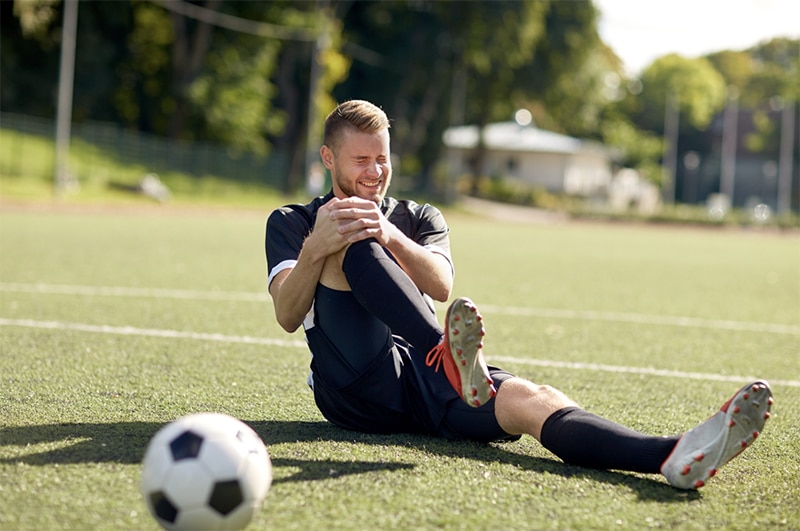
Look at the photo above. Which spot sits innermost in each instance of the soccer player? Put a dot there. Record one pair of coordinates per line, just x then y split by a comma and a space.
358, 270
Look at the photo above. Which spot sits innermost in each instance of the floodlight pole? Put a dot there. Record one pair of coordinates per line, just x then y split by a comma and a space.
671, 123
730, 120
65, 81
458, 96
786, 156
318, 46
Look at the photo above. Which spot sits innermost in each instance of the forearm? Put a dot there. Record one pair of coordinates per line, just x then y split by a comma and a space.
293, 291
430, 271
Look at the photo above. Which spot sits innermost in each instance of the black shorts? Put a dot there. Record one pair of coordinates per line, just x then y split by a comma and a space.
397, 393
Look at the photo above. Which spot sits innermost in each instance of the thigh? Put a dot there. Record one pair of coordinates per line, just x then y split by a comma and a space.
375, 402
345, 340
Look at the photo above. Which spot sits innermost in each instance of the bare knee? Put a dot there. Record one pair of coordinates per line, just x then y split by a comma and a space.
522, 406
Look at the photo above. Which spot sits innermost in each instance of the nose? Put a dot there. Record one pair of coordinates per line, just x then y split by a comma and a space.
375, 170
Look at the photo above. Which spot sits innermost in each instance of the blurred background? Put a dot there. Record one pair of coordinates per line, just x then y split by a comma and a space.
594, 108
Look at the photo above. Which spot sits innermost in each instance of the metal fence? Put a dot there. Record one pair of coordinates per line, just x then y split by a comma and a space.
107, 148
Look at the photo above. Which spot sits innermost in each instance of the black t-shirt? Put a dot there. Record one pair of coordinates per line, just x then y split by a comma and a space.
289, 226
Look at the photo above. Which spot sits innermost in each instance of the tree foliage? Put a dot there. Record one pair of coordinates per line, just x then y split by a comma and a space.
243, 73
698, 88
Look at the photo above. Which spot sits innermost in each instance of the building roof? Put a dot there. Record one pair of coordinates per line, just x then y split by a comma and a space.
510, 136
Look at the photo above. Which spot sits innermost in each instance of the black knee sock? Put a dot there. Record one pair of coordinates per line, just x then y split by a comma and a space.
385, 290
584, 439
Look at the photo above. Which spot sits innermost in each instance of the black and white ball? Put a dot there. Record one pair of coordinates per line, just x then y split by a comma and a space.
205, 471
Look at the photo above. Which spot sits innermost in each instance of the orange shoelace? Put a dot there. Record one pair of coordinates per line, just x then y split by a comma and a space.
436, 354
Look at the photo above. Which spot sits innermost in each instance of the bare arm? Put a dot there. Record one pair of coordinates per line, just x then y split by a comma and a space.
430, 271
292, 290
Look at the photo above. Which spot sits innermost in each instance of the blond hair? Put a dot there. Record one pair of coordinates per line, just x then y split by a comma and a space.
359, 115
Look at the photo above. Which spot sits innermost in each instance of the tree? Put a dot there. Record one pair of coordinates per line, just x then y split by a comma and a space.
568, 78
735, 67
495, 61
303, 100
30, 51
640, 149
699, 89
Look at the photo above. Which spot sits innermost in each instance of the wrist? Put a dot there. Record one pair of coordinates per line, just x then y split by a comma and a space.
314, 249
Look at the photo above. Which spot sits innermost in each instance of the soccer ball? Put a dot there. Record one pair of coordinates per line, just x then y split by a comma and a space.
205, 471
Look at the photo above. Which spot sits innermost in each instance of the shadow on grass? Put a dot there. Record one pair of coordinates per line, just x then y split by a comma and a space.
126, 442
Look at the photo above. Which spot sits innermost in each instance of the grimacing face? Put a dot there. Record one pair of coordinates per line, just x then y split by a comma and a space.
361, 165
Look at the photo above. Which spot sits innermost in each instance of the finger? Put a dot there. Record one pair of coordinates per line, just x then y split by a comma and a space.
353, 213
361, 235
353, 200
347, 227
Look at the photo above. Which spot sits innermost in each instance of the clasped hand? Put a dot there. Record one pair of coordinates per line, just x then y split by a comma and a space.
346, 221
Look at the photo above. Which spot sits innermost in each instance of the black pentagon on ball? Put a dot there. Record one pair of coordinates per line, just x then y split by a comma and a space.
186, 445
225, 496
163, 508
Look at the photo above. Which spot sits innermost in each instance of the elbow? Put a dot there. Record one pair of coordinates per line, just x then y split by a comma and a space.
287, 325
443, 285
287, 321
442, 292
440, 297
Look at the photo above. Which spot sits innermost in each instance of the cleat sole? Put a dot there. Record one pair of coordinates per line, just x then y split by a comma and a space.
719, 439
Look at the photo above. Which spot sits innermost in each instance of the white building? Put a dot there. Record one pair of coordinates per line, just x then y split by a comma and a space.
555, 162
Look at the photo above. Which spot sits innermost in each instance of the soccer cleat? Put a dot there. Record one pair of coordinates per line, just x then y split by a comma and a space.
460, 353
701, 451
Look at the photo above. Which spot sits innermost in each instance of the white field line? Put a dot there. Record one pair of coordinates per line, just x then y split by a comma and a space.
637, 318
116, 291
175, 334
150, 332
647, 371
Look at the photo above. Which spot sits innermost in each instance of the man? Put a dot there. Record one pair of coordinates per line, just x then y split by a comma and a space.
358, 269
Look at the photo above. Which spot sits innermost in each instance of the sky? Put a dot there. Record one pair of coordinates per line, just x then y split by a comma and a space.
640, 31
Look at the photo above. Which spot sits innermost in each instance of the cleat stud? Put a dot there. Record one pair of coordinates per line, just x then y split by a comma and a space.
767, 415
456, 318
732, 423
736, 409
460, 351
770, 401
477, 402
699, 483
744, 444
746, 396
756, 434
699, 457
456, 332
712, 472
686, 469
463, 362
474, 391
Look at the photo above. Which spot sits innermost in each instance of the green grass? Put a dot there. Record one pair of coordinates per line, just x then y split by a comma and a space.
77, 407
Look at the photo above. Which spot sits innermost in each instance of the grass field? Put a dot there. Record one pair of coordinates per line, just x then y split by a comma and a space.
117, 321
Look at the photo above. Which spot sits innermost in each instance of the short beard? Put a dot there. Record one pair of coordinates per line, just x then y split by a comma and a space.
350, 192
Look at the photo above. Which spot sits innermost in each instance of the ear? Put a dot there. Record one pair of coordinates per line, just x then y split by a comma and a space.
326, 154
